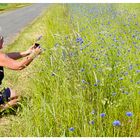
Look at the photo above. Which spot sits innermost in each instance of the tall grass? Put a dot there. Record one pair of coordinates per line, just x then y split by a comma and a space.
10, 6
87, 78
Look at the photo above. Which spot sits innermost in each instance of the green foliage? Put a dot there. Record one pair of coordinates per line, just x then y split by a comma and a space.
9, 6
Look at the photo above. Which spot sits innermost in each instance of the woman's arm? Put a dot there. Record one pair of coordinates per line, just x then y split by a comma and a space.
7, 62
18, 55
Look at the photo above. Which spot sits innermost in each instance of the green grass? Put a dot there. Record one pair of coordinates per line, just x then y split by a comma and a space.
11, 6
71, 84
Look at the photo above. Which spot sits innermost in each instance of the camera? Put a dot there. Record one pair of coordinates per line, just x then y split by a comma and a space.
36, 45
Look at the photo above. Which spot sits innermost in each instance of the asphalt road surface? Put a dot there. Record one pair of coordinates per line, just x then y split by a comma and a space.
12, 22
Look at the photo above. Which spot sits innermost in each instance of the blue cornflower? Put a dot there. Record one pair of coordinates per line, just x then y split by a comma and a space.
39, 38
138, 71
130, 67
93, 112
56, 45
126, 73
82, 69
116, 123
71, 129
121, 78
129, 114
123, 42
102, 115
108, 22
94, 65
113, 94
53, 74
91, 122
83, 81
129, 50
71, 54
125, 92
79, 40
95, 85
114, 39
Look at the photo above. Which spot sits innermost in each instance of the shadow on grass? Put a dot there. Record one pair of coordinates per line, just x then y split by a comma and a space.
16, 109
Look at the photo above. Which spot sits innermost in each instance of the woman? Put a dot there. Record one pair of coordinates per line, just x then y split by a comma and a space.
8, 97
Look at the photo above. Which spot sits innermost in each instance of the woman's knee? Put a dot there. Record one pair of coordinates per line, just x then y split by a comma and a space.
13, 94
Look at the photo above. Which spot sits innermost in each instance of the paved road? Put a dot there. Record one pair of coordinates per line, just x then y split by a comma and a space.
12, 22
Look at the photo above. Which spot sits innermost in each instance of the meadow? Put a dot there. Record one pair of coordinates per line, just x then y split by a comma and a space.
87, 81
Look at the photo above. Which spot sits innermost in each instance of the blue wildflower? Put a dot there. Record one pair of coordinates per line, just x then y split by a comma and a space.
71, 129
91, 122
125, 92
126, 73
94, 65
96, 58
64, 55
71, 54
95, 85
39, 38
56, 45
83, 81
113, 94
121, 78
138, 71
123, 42
129, 50
116, 123
129, 114
53, 74
114, 39
79, 40
93, 112
82, 69
130, 67
108, 22
102, 115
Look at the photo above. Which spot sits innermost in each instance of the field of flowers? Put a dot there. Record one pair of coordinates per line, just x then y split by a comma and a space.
87, 82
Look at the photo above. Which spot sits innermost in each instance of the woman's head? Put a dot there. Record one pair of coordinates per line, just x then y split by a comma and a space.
1, 42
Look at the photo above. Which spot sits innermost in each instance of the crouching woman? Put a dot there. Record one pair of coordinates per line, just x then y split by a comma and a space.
8, 98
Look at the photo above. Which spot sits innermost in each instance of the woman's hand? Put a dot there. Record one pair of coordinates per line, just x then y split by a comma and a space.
30, 50
35, 52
